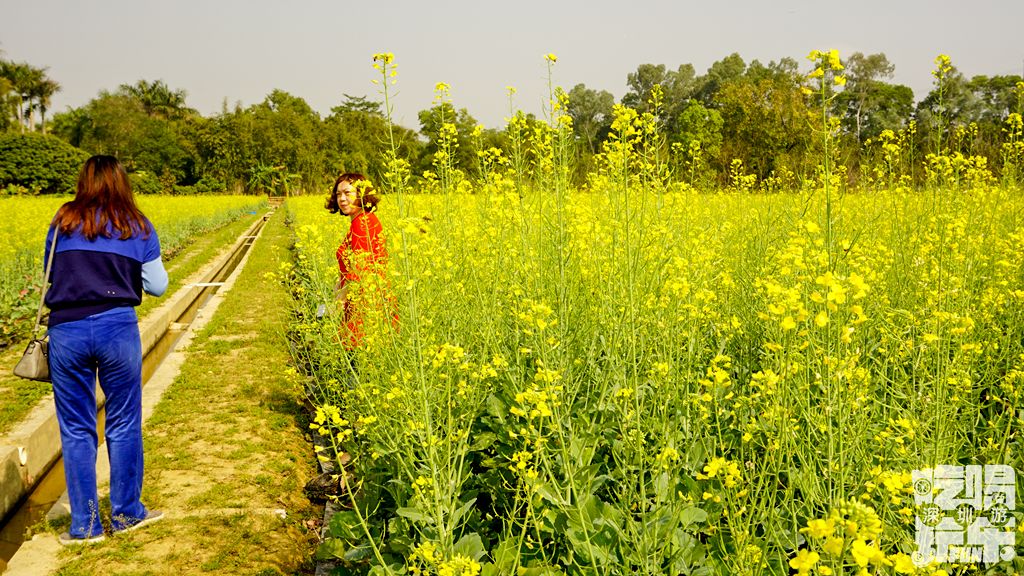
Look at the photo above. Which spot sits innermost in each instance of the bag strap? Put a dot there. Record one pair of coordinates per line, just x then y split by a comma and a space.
46, 276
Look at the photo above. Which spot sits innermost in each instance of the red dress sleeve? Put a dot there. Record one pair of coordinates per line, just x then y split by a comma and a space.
363, 247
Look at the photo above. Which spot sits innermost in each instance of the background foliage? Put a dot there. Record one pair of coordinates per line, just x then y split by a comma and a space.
755, 113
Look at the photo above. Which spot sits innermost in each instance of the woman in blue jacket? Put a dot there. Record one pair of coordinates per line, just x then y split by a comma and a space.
107, 254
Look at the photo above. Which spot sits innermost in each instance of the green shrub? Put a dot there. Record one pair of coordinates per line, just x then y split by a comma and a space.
13, 190
39, 163
145, 183
210, 185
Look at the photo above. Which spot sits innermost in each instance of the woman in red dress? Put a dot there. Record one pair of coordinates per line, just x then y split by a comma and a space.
362, 256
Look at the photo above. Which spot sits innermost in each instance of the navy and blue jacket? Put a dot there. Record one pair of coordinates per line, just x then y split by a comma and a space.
90, 277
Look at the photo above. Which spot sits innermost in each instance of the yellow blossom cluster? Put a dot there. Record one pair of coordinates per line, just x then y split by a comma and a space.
728, 471
850, 531
827, 62
537, 401
427, 560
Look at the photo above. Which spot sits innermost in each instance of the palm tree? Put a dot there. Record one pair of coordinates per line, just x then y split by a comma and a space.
6, 103
40, 95
31, 90
21, 76
158, 99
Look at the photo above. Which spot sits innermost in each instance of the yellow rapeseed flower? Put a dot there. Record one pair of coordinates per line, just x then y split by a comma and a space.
804, 561
833, 60
902, 563
833, 546
820, 528
864, 554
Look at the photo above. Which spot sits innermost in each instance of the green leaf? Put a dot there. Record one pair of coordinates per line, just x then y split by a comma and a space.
660, 523
415, 515
358, 553
496, 408
692, 515
345, 525
470, 545
398, 525
391, 570
547, 494
591, 551
585, 476
687, 551
556, 519
483, 441
695, 457
462, 511
591, 506
664, 483
582, 450
400, 544
331, 548
593, 535
598, 481
505, 554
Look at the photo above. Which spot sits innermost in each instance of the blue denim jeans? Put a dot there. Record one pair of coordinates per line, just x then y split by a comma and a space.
105, 345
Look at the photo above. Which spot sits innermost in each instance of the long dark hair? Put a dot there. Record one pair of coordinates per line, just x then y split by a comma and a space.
366, 199
103, 203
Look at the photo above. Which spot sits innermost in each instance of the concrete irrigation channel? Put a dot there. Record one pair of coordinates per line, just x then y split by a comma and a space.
31, 469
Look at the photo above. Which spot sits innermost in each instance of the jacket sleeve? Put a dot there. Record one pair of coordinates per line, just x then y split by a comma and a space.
154, 277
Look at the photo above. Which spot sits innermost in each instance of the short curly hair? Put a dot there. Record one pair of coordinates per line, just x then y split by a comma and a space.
367, 198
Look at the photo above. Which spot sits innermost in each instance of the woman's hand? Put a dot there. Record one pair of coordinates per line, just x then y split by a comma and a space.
341, 291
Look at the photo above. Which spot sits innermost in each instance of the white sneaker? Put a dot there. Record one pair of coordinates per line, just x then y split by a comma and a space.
66, 539
151, 517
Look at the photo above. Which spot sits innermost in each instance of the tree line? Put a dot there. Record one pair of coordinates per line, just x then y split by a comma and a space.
736, 119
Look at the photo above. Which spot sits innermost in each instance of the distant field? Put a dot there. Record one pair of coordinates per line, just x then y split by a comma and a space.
23, 225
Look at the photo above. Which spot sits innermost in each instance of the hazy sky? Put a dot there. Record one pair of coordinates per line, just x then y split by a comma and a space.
240, 50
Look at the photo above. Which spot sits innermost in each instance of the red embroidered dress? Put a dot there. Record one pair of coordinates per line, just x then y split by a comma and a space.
362, 252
